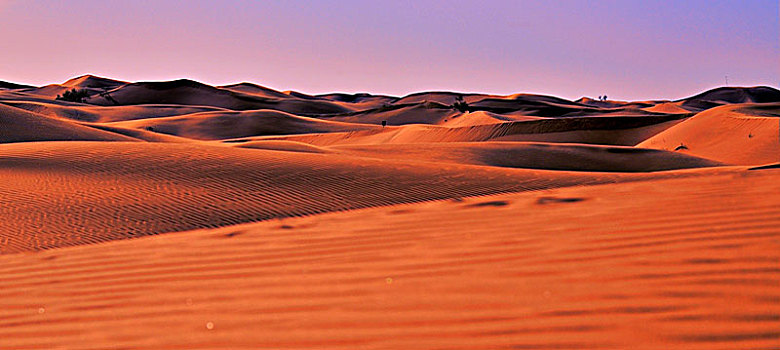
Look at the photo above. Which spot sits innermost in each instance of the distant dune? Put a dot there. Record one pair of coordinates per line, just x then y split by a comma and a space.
91, 81
179, 215
9, 85
19, 125
535, 155
745, 134
60, 194
610, 130
188, 92
221, 125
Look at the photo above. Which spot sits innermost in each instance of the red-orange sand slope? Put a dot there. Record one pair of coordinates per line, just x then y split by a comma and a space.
668, 264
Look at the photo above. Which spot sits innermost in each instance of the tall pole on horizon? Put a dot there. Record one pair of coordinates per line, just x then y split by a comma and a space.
727, 80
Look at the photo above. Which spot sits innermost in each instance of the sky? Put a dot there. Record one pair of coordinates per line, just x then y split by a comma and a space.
631, 50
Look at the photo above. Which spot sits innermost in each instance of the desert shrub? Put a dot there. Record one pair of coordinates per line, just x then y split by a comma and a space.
74, 95
460, 104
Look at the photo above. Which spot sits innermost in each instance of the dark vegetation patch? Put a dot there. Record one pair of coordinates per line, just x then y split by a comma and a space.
74, 95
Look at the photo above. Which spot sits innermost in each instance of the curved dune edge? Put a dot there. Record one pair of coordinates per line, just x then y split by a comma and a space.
743, 134
527, 155
534, 155
68, 193
220, 125
59, 194
106, 114
20, 125
563, 268
606, 130
283, 145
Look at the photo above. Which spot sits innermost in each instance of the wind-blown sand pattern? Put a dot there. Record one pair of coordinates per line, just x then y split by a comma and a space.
177, 215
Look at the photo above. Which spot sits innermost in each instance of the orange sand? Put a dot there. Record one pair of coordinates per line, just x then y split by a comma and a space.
177, 215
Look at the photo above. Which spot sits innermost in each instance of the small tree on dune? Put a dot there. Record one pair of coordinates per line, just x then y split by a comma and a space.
74, 95
460, 104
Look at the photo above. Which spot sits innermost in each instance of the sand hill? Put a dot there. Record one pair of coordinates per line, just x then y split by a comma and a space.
9, 85
179, 215
188, 92
744, 134
221, 125
19, 125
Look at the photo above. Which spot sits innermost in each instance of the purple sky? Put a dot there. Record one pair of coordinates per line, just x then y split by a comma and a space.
626, 49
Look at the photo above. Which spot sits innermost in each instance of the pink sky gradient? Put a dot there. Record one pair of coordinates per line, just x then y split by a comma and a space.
626, 49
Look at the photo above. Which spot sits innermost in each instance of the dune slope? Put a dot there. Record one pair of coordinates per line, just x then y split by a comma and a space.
188, 92
534, 155
219, 125
19, 125
612, 130
70, 193
745, 134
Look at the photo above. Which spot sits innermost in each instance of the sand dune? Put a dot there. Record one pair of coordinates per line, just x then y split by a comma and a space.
255, 89
9, 85
756, 94
443, 97
531, 105
667, 107
105, 114
607, 130
91, 81
188, 92
729, 95
360, 101
534, 155
228, 125
241, 217
59, 194
418, 113
358, 98
140, 134
19, 125
745, 134
49, 91
282, 145
92, 84
483, 118
300, 95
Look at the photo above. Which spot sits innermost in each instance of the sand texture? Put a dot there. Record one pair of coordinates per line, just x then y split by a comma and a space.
178, 215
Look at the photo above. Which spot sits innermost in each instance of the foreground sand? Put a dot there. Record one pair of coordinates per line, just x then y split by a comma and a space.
667, 264
177, 215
